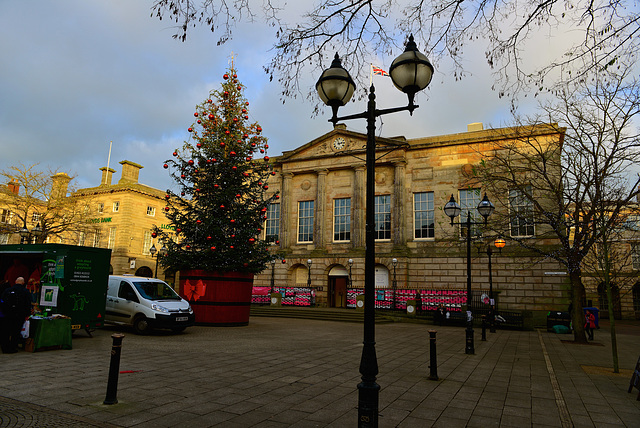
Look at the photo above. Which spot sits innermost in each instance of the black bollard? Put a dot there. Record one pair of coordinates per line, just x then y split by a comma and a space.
433, 363
484, 329
114, 369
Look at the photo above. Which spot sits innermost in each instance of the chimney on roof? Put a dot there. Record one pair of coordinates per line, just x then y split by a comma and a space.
476, 126
130, 172
60, 185
107, 175
14, 187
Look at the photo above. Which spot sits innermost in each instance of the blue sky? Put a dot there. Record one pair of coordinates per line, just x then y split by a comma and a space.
76, 75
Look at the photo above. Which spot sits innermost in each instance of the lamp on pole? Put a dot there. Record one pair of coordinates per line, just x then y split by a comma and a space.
26, 234
394, 262
452, 209
309, 263
499, 243
153, 250
410, 72
350, 266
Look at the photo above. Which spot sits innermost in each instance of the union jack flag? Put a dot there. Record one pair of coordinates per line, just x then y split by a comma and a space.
377, 71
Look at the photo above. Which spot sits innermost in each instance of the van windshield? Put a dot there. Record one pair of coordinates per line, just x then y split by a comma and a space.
156, 291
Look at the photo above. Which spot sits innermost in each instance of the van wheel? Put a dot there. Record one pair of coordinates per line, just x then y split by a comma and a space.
141, 325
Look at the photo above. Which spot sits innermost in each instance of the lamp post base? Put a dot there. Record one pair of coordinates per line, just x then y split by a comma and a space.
469, 347
368, 404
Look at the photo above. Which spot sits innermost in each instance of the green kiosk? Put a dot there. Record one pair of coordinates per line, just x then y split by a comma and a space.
62, 279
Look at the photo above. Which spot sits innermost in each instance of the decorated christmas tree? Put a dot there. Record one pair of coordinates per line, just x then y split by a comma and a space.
221, 172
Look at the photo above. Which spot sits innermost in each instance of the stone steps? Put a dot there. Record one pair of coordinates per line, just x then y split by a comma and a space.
325, 314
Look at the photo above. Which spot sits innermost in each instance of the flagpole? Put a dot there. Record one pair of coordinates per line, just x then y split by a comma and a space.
370, 74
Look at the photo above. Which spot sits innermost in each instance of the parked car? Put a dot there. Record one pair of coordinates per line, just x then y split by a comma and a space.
145, 304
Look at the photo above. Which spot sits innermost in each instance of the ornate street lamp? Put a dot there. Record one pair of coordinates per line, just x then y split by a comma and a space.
350, 261
410, 72
309, 263
452, 209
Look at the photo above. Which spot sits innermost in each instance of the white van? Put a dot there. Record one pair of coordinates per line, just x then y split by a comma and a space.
146, 303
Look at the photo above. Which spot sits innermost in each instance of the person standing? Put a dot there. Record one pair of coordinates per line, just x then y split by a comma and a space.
16, 307
590, 323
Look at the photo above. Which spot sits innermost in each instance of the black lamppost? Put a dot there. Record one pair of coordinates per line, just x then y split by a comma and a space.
153, 250
499, 243
273, 274
410, 72
394, 262
452, 209
350, 261
309, 263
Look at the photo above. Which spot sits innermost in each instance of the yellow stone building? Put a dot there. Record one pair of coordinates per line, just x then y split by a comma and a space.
126, 213
320, 217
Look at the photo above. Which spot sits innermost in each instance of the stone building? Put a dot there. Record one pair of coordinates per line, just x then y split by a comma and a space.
126, 213
320, 217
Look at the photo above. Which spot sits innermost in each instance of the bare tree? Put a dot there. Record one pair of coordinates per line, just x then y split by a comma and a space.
561, 190
603, 31
42, 198
610, 263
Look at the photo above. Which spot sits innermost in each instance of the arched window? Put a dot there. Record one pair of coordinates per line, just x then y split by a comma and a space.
144, 271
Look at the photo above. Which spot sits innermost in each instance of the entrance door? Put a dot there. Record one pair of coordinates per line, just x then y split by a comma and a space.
338, 291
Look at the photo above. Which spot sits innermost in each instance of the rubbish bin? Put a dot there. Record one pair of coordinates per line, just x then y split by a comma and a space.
595, 312
558, 318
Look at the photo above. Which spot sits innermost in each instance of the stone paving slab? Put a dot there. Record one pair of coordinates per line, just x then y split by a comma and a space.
303, 373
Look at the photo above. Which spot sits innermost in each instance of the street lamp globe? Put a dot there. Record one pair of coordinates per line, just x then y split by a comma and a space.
394, 261
452, 209
500, 243
335, 86
153, 250
485, 207
24, 232
37, 231
411, 72
163, 250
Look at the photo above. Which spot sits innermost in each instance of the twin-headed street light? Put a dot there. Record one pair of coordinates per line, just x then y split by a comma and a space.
161, 252
452, 209
411, 72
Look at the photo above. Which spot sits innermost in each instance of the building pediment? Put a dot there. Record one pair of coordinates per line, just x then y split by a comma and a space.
334, 148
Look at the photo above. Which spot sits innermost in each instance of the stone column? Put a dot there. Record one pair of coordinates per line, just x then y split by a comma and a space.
287, 226
398, 220
318, 223
358, 208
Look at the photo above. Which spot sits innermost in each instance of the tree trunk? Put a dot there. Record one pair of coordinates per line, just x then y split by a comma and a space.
577, 315
612, 328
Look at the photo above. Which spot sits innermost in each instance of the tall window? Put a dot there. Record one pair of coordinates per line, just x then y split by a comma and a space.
4, 216
151, 211
96, 239
305, 221
521, 213
146, 242
100, 207
423, 215
272, 226
342, 219
112, 238
469, 200
35, 217
81, 237
383, 217
116, 207
635, 256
